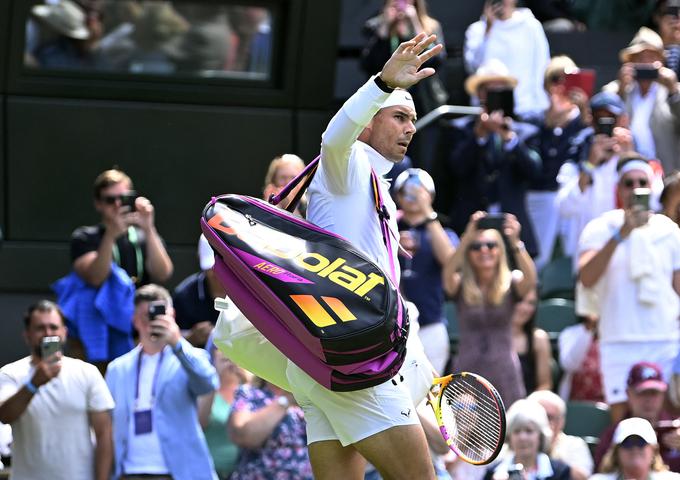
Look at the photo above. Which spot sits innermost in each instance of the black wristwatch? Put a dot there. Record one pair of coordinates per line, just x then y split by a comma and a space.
382, 85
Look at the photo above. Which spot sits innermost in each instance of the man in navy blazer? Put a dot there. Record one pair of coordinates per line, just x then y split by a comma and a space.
155, 422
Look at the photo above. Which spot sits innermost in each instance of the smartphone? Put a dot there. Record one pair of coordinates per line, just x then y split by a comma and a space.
583, 79
644, 71
641, 197
128, 200
410, 188
49, 346
156, 308
605, 126
492, 221
501, 99
515, 472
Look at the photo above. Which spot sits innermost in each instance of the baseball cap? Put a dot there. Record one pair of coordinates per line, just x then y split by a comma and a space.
646, 376
206, 256
634, 426
424, 178
608, 101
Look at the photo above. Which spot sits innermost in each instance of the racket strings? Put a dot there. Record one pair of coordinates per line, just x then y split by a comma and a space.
472, 419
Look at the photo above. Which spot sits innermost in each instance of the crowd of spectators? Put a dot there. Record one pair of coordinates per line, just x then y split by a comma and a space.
548, 168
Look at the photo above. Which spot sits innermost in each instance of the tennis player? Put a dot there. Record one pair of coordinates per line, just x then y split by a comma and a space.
371, 131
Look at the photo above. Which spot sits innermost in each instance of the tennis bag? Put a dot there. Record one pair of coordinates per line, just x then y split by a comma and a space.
311, 293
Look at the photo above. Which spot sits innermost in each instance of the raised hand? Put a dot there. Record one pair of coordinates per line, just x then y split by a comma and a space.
403, 68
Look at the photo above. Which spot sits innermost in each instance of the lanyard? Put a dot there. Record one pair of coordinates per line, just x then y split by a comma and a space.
155, 375
139, 259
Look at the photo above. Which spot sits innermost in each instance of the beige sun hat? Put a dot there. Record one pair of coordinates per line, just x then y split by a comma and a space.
66, 17
644, 39
489, 71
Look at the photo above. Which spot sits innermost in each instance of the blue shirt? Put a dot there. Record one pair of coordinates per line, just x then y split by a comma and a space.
424, 286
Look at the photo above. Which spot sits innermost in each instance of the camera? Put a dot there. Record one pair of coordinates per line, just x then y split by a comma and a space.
128, 200
492, 221
410, 188
645, 71
155, 309
515, 472
641, 198
49, 346
502, 99
605, 126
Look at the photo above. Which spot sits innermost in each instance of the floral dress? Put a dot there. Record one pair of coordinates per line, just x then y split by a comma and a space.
284, 454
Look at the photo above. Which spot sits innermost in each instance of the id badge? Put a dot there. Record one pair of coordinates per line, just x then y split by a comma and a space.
143, 422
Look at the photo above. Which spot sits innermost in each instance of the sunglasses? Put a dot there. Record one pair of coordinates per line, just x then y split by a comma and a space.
477, 246
637, 182
633, 442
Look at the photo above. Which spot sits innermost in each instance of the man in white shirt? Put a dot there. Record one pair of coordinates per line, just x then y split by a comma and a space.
630, 258
371, 131
51, 404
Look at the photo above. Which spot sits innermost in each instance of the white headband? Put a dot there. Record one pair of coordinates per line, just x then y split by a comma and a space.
399, 97
636, 165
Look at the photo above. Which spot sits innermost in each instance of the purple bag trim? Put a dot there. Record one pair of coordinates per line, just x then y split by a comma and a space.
370, 367
280, 337
273, 302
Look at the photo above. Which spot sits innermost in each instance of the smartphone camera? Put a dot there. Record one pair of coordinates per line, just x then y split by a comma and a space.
492, 221
605, 126
646, 72
641, 198
515, 472
49, 346
410, 188
128, 200
156, 309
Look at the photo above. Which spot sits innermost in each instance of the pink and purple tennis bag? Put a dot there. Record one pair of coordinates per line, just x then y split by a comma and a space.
319, 300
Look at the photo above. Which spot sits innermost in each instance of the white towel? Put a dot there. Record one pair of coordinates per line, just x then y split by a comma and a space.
644, 265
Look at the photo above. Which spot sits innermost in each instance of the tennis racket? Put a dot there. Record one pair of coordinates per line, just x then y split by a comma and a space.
471, 416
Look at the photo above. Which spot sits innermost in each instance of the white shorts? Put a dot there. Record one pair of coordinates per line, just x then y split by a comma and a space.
616, 360
350, 416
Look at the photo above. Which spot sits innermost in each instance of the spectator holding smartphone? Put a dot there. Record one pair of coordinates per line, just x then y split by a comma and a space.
652, 98
53, 404
110, 259
515, 36
629, 258
430, 245
156, 429
588, 183
561, 138
485, 291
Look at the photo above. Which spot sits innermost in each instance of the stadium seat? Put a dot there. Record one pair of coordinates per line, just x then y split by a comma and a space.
587, 420
556, 280
554, 315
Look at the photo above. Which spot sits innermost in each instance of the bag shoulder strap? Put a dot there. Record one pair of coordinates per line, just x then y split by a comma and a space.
304, 179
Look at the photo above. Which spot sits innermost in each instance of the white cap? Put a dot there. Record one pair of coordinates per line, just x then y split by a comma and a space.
424, 178
206, 256
634, 426
399, 97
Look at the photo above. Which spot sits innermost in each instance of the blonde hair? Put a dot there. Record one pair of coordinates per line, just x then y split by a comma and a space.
610, 461
280, 161
108, 178
472, 294
557, 66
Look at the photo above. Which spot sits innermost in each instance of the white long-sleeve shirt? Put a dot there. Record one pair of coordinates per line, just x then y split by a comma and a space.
520, 43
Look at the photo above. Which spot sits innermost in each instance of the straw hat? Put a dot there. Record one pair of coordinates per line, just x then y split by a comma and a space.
489, 71
644, 39
66, 17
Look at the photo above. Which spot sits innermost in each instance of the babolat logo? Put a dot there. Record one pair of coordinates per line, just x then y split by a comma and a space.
263, 239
